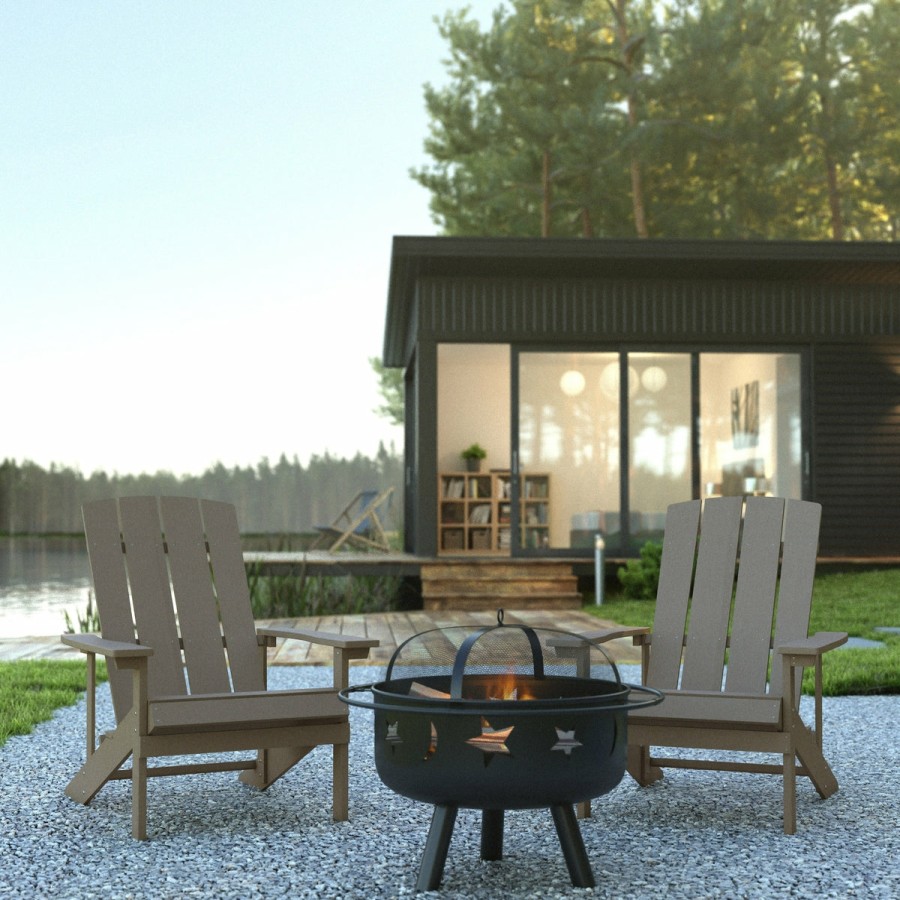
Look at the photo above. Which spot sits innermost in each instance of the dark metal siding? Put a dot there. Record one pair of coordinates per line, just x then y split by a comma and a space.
856, 440
742, 312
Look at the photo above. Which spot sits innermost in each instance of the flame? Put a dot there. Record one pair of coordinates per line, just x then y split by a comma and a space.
508, 687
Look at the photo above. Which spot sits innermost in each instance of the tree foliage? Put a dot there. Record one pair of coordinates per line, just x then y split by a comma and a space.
679, 118
390, 386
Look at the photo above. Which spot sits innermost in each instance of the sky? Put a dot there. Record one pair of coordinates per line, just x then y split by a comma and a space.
197, 203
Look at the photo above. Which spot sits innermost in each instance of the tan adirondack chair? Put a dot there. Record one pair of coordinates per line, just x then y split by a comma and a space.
187, 667
358, 525
753, 703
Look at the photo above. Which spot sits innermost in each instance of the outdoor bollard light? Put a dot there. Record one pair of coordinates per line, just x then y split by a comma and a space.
599, 547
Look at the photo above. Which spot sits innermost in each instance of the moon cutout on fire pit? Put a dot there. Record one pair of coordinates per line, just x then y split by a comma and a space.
432, 743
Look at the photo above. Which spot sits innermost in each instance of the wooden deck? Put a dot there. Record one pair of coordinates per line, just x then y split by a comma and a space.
390, 628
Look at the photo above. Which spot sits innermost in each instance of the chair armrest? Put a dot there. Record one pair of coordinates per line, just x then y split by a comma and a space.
815, 645
639, 635
341, 641
93, 643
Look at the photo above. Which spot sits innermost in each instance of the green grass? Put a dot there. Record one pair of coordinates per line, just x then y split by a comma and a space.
30, 690
852, 601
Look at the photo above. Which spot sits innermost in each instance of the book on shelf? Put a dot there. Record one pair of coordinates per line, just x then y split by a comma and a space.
480, 514
454, 488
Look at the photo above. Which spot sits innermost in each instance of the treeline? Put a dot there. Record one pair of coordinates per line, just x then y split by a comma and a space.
284, 497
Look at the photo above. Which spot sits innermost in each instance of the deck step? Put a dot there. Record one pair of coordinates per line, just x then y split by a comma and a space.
488, 601
486, 584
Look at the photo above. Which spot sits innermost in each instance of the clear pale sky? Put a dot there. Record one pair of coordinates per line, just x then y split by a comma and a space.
197, 200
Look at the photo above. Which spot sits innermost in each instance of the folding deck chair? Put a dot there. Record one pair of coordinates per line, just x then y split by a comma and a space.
358, 524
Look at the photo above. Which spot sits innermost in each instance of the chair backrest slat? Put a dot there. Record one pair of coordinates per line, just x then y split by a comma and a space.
673, 595
230, 578
754, 604
704, 653
195, 601
154, 611
110, 579
798, 572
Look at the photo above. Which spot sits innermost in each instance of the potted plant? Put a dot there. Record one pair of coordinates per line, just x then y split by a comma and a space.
473, 455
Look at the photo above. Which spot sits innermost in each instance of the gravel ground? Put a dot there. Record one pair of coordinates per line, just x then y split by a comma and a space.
693, 835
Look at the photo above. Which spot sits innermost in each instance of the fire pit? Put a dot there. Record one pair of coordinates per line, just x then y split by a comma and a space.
500, 717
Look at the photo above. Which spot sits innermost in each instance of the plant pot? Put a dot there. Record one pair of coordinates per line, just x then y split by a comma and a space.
473, 464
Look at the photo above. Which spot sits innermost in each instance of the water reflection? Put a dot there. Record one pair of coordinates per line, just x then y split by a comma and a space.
41, 579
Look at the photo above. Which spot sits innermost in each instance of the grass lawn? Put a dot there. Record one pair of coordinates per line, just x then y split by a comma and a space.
30, 690
853, 601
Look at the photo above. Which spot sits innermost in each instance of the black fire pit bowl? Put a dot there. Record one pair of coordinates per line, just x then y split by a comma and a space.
496, 718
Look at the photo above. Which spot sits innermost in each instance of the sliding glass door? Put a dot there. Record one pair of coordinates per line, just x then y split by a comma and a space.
566, 446
603, 442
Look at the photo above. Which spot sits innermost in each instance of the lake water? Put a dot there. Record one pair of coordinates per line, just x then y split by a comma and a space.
40, 580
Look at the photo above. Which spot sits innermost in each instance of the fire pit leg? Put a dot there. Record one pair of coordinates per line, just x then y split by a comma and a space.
572, 845
431, 869
491, 834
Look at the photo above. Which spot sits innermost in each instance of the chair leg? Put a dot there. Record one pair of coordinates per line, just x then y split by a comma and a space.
639, 765
790, 793
139, 798
810, 755
100, 765
341, 782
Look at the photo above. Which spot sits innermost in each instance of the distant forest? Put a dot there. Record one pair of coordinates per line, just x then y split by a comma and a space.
280, 498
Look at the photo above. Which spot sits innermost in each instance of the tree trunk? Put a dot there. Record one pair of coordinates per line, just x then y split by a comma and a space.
545, 195
637, 179
834, 198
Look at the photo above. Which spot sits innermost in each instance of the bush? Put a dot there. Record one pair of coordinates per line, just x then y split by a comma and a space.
640, 577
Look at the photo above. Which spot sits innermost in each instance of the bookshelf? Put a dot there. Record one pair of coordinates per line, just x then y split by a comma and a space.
475, 511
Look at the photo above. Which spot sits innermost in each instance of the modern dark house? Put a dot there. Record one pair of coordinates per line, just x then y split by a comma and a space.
609, 378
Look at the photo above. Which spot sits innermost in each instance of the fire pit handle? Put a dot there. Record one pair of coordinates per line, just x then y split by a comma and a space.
654, 696
344, 695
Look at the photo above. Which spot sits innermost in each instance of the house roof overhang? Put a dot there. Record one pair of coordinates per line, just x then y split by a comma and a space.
413, 258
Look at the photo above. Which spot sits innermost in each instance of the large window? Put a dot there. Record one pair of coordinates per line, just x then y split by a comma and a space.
569, 429
750, 424
599, 455
659, 438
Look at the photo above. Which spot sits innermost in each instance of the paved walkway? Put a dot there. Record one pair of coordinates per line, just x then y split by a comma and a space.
391, 629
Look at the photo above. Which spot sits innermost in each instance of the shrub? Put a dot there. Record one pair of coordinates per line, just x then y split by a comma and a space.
640, 577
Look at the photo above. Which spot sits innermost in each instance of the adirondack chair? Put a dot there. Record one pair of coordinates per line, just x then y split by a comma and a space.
753, 703
187, 667
358, 524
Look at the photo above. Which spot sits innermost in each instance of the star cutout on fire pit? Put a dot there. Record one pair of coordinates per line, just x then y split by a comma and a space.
491, 740
393, 736
565, 741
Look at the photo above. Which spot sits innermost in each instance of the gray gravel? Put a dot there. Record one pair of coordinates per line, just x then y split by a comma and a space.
693, 835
